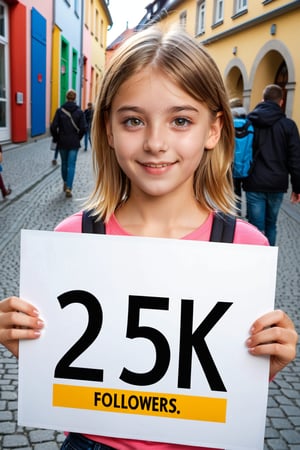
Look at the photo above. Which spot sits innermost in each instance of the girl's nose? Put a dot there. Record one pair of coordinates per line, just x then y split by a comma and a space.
155, 141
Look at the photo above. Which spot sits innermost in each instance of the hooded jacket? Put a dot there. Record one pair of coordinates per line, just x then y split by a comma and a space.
62, 129
276, 151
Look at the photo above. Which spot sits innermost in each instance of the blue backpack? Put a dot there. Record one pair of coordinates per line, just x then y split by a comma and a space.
243, 152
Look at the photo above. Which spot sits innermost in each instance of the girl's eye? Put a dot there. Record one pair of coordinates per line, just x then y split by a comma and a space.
181, 122
133, 122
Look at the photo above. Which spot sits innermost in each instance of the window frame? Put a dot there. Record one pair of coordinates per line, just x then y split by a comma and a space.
200, 17
241, 6
218, 6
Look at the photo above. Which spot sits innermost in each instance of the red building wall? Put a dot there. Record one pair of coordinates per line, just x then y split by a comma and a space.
18, 61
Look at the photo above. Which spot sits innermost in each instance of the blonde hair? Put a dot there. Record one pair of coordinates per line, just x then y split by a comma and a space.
188, 65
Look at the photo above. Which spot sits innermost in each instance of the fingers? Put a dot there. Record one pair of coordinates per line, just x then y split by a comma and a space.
15, 313
274, 335
17, 304
271, 319
18, 320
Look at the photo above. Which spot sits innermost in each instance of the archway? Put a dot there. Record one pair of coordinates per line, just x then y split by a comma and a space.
273, 64
236, 81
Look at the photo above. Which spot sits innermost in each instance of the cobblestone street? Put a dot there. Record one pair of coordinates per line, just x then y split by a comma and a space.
38, 202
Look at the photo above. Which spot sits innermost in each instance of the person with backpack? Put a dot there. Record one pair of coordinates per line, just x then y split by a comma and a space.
243, 151
67, 129
276, 157
163, 147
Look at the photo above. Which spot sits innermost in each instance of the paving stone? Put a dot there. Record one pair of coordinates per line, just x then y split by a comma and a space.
15, 441
291, 436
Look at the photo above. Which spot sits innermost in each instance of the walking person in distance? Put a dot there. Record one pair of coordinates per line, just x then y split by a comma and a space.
276, 156
67, 128
88, 112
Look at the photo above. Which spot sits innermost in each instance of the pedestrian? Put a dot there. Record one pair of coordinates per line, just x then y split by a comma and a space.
4, 190
276, 156
67, 128
238, 112
88, 117
163, 147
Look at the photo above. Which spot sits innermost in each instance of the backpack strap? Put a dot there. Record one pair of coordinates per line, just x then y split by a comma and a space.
90, 225
223, 228
67, 113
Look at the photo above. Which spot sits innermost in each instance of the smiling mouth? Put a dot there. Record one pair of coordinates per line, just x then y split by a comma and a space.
156, 166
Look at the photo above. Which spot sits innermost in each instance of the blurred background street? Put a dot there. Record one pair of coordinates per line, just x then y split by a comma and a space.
38, 202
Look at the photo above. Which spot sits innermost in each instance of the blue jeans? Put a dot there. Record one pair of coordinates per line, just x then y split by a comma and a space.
262, 212
87, 139
68, 163
75, 441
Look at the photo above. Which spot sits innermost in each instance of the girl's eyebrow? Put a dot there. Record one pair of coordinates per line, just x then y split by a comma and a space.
126, 108
173, 109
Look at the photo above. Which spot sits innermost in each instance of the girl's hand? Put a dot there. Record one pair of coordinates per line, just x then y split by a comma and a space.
274, 334
18, 320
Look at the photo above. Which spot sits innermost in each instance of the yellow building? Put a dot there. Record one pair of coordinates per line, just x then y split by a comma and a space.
97, 20
254, 43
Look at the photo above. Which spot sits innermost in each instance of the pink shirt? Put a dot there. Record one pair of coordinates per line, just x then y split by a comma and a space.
244, 234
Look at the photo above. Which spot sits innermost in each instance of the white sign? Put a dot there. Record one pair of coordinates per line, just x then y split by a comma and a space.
145, 338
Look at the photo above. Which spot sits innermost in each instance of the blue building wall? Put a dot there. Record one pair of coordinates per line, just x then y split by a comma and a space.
68, 17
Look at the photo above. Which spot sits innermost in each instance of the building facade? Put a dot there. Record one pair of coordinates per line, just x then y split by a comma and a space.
24, 65
45, 47
97, 20
254, 43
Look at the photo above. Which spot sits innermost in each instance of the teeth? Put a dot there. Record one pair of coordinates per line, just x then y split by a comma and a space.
157, 166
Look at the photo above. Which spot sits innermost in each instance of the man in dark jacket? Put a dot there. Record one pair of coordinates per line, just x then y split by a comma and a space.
276, 156
68, 127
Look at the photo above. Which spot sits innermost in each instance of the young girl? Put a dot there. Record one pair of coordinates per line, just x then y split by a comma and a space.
163, 147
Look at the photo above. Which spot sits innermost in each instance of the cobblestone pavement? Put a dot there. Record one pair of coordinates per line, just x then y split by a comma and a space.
37, 202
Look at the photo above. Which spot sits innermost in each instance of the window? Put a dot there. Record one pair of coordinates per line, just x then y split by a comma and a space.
219, 11
102, 33
200, 24
97, 25
241, 5
91, 16
182, 20
76, 8
2, 21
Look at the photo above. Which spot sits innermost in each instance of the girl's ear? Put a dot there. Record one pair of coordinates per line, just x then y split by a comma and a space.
214, 132
108, 129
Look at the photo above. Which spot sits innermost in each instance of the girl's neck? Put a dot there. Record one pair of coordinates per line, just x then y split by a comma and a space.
161, 217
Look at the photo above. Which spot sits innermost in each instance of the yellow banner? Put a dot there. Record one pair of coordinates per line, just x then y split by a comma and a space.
178, 406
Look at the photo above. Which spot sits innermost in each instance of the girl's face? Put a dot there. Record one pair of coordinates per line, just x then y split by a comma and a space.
159, 133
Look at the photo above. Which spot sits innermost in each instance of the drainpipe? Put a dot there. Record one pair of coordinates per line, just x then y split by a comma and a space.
81, 53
